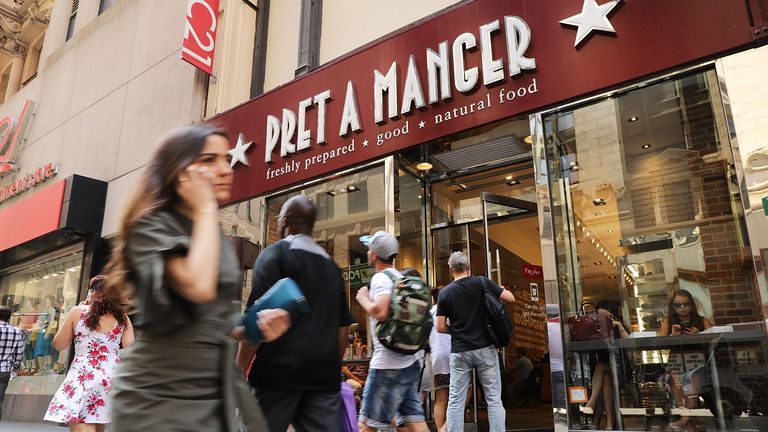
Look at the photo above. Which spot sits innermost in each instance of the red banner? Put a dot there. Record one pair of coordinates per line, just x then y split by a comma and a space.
200, 34
472, 64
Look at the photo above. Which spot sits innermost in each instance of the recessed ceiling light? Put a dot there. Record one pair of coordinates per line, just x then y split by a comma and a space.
513, 182
332, 193
462, 185
528, 139
646, 146
610, 231
598, 263
598, 214
633, 119
508, 178
599, 202
424, 166
353, 188
611, 277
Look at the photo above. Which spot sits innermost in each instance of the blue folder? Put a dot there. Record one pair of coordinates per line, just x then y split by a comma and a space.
284, 294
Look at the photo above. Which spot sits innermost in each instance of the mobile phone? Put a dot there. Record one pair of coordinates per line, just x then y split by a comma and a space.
684, 325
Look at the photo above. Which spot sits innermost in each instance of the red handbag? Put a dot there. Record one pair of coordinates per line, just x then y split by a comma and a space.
589, 326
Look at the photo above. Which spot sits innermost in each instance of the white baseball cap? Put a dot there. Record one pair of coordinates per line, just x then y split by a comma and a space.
382, 244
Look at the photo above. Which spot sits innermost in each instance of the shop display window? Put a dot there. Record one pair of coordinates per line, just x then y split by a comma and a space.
662, 316
40, 295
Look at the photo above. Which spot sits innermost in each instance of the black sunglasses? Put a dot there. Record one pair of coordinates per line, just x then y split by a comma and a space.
678, 305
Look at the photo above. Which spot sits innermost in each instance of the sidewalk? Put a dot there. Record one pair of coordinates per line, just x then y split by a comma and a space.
30, 427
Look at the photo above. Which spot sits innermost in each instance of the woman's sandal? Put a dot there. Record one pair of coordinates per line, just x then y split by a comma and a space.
586, 410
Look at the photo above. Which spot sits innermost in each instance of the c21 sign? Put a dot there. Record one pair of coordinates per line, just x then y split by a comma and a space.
200, 34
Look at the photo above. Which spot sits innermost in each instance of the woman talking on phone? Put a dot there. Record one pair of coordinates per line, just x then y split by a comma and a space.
173, 266
682, 315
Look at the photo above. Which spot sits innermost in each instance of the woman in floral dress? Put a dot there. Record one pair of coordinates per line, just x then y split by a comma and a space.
98, 328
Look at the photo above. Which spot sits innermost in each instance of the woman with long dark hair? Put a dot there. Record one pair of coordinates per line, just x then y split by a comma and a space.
99, 327
682, 315
175, 268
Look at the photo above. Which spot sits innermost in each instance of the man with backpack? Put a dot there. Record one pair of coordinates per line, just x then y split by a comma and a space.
393, 377
462, 303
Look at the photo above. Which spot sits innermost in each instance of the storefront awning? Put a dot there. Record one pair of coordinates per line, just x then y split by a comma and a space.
32, 216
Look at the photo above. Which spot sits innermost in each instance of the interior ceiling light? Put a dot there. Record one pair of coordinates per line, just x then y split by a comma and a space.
611, 277
424, 166
609, 231
513, 182
633, 119
462, 185
332, 193
528, 139
599, 202
646, 146
508, 178
353, 188
598, 263
598, 214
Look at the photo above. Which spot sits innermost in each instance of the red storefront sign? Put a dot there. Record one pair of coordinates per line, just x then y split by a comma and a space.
532, 271
200, 34
475, 63
11, 134
32, 217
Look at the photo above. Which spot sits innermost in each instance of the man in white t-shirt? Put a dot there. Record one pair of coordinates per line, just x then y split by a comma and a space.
393, 378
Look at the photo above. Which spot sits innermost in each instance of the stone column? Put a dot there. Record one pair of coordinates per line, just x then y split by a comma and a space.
14, 78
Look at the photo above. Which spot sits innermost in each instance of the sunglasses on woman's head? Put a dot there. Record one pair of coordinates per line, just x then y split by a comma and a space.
679, 305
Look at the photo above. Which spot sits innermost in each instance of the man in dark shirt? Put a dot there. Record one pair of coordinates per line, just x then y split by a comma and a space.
296, 377
461, 312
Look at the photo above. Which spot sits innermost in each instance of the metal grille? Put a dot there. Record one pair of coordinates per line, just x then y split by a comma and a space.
502, 149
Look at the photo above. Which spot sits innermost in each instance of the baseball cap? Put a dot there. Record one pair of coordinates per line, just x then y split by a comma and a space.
382, 243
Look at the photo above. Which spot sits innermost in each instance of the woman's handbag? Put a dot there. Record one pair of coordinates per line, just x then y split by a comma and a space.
348, 409
589, 326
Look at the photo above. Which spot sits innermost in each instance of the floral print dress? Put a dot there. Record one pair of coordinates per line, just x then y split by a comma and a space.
84, 395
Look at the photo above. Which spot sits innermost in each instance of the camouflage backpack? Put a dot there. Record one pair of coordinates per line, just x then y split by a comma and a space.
409, 323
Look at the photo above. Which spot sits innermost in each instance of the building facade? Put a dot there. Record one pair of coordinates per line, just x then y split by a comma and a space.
87, 88
609, 163
587, 155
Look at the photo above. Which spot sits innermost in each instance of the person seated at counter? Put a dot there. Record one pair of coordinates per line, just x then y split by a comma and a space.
683, 319
682, 316
602, 377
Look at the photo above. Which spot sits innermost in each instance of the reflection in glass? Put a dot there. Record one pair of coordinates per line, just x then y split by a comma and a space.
645, 203
40, 296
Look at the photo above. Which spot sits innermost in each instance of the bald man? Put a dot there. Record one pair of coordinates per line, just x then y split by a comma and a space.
296, 378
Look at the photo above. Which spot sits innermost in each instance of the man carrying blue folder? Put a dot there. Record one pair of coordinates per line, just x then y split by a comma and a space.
296, 377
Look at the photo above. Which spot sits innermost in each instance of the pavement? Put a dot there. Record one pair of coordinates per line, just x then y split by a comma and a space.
31, 427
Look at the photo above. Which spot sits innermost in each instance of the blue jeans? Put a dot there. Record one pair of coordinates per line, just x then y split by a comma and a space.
486, 361
391, 391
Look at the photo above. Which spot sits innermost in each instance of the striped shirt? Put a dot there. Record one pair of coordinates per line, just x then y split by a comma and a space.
11, 347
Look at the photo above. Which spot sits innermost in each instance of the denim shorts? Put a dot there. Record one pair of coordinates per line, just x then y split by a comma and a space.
391, 391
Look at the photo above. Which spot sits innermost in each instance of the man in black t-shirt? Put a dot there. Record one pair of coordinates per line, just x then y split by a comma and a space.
461, 312
296, 377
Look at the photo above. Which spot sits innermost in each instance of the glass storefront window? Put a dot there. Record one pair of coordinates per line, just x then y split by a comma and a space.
649, 231
347, 208
40, 295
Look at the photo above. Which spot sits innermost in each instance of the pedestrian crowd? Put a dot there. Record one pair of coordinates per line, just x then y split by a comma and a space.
174, 273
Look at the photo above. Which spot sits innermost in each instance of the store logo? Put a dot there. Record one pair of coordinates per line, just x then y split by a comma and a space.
28, 181
11, 137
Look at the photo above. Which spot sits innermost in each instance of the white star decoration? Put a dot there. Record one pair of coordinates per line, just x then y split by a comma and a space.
238, 153
592, 17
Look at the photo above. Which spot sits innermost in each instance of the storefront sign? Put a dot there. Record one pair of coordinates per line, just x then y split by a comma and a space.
357, 275
532, 271
28, 181
473, 64
11, 134
33, 216
200, 34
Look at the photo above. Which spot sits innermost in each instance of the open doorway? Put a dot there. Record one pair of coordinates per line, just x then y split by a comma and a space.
491, 215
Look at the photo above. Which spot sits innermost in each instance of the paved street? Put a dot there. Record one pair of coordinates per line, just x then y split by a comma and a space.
30, 427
